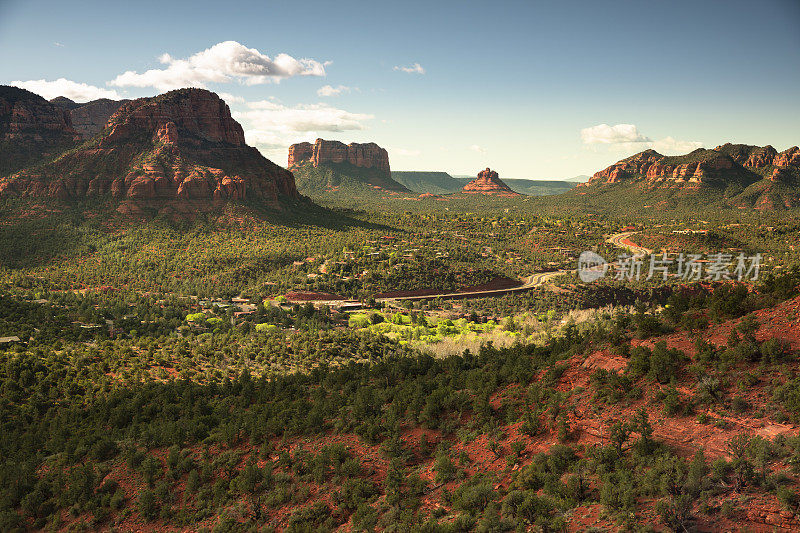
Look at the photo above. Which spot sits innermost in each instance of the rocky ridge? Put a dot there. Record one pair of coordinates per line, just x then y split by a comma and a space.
725, 164
745, 175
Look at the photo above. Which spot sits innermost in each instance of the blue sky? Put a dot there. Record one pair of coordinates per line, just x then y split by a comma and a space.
542, 90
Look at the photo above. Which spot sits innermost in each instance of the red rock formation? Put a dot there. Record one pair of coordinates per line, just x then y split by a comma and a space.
767, 179
181, 146
299, 153
89, 118
488, 182
31, 128
367, 155
739, 163
645, 163
788, 158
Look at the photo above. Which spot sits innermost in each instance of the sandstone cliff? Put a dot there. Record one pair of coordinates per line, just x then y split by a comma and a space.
743, 175
489, 182
31, 129
89, 118
367, 155
329, 164
179, 148
724, 165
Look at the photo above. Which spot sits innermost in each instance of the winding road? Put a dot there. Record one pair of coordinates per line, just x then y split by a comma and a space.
538, 279
621, 240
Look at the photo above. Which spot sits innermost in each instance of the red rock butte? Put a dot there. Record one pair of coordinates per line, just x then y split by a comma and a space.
367, 155
488, 182
180, 147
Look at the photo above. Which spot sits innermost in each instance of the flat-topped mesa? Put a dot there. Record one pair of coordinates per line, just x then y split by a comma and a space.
180, 148
366, 155
489, 182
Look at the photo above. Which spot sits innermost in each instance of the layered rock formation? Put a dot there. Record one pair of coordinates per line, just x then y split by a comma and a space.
489, 182
724, 165
367, 155
741, 175
327, 165
177, 148
31, 129
89, 118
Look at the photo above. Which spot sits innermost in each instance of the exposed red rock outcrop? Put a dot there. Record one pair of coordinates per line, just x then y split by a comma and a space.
177, 147
725, 164
327, 165
299, 153
89, 118
788, 158
367, 155
488, 182
31, 128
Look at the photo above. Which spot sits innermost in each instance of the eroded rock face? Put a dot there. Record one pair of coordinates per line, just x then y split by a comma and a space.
31, 128
788, 158
89, 118
728, 163
489, 182
299, 153
367, 155
180, 146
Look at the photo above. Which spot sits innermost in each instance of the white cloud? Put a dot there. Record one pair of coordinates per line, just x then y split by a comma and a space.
80, 92
605, 134
628, 138
327, 90
416, 68
58, 44
668, 144
476, 148
266, 114
222, 63
231, 98
404, 152
272, 126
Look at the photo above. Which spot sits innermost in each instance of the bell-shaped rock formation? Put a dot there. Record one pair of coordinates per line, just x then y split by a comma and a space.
489, 182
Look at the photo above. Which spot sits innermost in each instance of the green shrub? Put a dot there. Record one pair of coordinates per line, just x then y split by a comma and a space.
148, 505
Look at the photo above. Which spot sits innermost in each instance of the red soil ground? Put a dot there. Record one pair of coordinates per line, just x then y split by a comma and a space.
589, 423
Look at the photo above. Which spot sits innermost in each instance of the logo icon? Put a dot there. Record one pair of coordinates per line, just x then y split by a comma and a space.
591, 267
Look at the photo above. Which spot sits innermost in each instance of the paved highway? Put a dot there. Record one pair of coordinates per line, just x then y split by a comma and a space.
621, 240
534, 280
